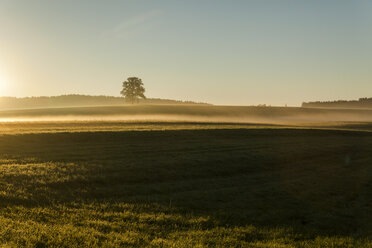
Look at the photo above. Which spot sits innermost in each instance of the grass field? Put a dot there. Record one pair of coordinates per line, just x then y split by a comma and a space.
185, 184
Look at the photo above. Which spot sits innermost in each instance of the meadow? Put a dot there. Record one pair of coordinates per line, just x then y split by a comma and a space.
101, 183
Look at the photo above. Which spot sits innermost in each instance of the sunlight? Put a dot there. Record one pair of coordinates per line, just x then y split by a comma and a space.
3, 85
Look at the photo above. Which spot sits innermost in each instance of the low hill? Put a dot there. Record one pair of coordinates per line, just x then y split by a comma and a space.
75, 101
356, 104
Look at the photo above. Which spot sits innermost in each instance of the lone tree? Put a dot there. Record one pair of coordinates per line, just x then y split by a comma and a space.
133, 89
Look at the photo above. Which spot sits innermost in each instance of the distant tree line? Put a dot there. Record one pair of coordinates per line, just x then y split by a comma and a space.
360, 103
76, 101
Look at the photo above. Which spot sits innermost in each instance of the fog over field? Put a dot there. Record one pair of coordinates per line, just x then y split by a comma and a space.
191, 113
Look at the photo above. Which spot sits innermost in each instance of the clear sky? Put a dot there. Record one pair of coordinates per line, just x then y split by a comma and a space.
234, 52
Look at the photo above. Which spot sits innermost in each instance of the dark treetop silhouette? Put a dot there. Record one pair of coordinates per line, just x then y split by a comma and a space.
133, 89
360, 103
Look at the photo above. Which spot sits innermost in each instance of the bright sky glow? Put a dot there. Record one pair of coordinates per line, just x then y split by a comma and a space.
3, 84
224, 52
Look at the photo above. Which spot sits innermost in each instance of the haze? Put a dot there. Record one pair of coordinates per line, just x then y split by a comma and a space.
222, 52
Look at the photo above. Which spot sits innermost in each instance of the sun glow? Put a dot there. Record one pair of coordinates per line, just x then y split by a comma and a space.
3, 85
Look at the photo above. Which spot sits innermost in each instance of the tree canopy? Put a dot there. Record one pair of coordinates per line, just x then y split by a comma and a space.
133, 89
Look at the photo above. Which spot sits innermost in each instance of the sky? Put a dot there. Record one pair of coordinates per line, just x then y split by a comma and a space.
231, 52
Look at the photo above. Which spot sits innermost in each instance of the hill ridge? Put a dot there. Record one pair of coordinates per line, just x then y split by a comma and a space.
77, 100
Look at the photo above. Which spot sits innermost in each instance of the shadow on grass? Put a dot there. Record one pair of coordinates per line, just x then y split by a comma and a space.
295, 184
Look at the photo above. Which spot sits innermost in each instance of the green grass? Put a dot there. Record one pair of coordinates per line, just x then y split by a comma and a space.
210, 186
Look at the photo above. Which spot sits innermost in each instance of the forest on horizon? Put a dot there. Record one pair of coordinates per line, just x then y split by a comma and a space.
360, 103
